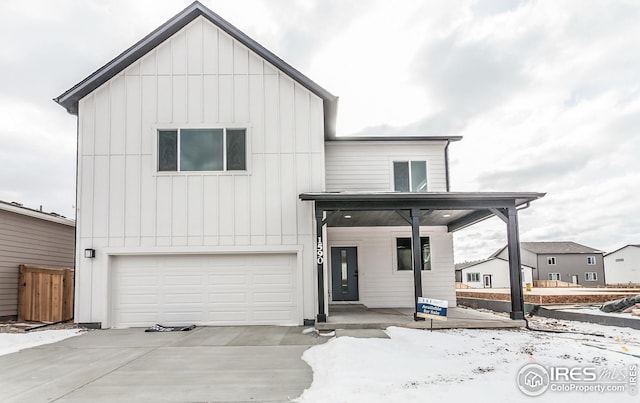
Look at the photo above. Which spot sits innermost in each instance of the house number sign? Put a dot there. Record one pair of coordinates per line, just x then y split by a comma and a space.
319, 252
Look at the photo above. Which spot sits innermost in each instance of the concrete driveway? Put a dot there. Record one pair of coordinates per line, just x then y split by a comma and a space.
258, 363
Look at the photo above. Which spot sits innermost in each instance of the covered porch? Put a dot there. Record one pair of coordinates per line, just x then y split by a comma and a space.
357, 316
448, 211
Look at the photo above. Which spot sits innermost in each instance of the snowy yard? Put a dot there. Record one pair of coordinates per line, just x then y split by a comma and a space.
13, 342
468, 365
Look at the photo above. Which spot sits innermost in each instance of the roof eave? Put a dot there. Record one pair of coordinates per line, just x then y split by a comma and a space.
395, 138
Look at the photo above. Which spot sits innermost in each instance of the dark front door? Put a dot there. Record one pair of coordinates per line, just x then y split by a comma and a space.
344, 273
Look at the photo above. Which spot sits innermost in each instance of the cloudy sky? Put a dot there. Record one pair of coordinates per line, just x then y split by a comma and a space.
545, 93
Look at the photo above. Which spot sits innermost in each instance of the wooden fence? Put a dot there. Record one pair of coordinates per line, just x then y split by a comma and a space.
45, 294
553, 284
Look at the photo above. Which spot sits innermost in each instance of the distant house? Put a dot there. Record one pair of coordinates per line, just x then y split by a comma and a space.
32, 237
622, 266
563, 261
489, 273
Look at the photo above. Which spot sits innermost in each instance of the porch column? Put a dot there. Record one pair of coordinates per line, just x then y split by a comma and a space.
515, 274
322, 316
417, 259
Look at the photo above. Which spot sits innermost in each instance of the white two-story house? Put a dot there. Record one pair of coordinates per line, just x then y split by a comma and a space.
212, 189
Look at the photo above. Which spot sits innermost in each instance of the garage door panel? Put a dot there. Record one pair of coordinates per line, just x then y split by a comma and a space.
183, 279
237, 279
273, 297
183, 299
182, 317
228, 298
204, 290
273, 279
139, 299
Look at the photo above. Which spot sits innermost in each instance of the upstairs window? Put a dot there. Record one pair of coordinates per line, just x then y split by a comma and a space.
591, 260
410, 176
405, 258
551, 261
193, 150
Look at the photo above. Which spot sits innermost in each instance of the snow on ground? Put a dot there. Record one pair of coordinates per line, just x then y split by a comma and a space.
461, 364
13, 342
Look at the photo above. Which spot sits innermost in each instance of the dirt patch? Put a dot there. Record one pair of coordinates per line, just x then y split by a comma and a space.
30, 327
544, 299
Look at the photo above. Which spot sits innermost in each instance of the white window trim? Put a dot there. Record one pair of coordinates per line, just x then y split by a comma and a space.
558, 275
549, 260
591, 260
586, 276
392, 186
474, 274
172, 126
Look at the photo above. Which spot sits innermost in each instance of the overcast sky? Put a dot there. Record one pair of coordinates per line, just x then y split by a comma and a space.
545, 93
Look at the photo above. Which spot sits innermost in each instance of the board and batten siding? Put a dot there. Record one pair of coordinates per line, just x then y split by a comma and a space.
200, 77
623, 266
368, 165
380, 285
29, 240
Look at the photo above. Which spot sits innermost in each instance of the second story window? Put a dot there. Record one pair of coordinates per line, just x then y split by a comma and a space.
551, 260
190, 150
591, 260
410, 176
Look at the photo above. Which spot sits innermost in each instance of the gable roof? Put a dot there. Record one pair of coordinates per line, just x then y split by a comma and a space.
556, 248
466, 265
624, 247
69, 99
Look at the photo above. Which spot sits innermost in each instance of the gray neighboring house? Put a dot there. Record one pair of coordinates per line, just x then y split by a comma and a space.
563, 261
32, 237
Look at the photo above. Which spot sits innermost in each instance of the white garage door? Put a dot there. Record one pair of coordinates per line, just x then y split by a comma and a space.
204, 290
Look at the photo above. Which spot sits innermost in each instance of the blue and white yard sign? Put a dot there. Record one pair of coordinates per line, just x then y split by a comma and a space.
432, 308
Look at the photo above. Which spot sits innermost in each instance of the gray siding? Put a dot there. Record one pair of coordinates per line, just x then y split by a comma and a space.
572, 264
29, 240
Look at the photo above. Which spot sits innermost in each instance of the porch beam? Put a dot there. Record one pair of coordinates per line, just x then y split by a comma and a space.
515, 275
320, 256
502, 214
399, 204
468, 220
417, 259
404, 216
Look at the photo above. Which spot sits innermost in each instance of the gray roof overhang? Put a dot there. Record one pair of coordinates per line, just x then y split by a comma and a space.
395, 138
455, 210
69, 99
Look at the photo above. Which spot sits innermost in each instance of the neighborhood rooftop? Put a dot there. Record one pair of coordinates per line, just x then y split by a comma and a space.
20, 209
552, 248
557, 247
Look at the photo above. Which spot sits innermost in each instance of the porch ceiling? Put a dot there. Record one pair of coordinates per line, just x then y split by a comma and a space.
456, 210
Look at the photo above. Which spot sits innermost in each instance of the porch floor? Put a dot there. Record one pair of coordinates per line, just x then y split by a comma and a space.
358, 316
